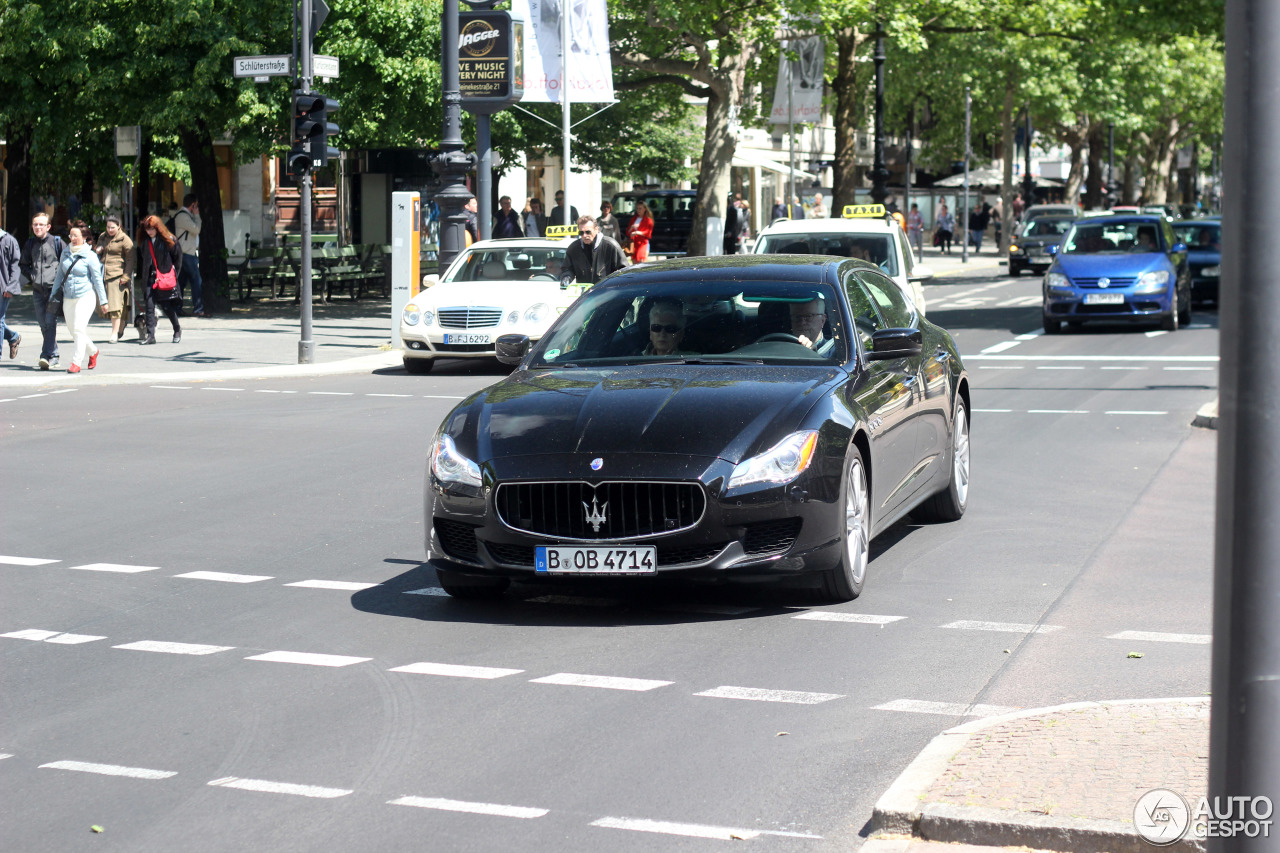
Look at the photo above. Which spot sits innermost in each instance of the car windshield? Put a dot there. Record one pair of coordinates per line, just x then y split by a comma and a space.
1046, 228
1200, 236
767, 322
876, 248
510, 265
1095, 238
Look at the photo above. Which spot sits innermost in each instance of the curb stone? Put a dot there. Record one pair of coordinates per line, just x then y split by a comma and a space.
1207, 417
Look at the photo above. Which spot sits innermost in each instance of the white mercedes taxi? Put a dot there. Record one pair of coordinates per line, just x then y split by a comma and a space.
494, 287
864, 231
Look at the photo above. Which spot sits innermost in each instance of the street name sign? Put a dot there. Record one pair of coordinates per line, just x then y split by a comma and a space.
263, 66
324, 66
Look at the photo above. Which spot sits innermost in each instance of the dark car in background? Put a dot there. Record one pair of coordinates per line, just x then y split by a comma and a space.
1204, 255
672, 217
729, 449
1029, 248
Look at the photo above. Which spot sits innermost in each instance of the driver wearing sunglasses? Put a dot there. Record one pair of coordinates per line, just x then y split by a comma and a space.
666, 329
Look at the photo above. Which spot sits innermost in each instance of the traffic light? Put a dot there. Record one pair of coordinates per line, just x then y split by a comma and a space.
312, 128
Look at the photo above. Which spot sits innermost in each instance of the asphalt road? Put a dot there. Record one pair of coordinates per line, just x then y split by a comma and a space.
219, 633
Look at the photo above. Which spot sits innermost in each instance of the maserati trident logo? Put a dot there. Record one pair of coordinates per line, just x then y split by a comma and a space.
597, 464
1104, 282
595, 513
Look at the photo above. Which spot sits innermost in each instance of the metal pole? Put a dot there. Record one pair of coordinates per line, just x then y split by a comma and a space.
306, 346
1028, 182
879, 174
906, 204
1244, 740
452, 163
565, 11
484, 177
1111, 162
963, 219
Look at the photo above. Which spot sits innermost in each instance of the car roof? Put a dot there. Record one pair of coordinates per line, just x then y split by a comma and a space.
520, 243
1121, 218
802, 269
1055, 216
837, 225
1199, 220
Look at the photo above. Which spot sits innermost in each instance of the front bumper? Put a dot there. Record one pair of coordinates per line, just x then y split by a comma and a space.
1136, 307
418, 344
776, 531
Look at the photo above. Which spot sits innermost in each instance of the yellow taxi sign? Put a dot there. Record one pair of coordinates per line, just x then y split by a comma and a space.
555, 232
856, 211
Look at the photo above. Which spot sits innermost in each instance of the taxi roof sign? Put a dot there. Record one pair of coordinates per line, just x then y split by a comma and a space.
857, 211
555, 232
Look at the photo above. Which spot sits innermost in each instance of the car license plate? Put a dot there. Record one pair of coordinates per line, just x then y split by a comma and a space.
466, 338
554, 559
1104, 299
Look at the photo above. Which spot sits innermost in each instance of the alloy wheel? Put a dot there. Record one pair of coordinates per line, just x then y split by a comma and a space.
960, 454
856, 537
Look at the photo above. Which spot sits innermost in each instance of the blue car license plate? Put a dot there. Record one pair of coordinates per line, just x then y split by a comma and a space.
556, 559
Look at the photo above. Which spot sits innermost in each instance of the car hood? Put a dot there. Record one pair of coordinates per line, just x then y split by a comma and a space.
1039, 241
1113, 265
692, 410
515, 295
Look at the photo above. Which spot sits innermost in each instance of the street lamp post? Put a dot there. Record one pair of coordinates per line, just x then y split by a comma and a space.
879, 174
452, 163
1028, 182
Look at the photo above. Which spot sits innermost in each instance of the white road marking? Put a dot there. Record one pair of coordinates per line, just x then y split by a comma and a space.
173, 648
9, 400
1030, 336
308, 658
1156, 333
1156, 637
4, 755
1210, 369
1000, 367
1057, 411
456, 671
173, 387
1128, 367
114, 567
430, 590
473, 808
1000, 347
692, 830
109, 769
755, 694
29, 396
225, 577
26, 561
951, 709
388, 395
265, 391
73, 390
1060, 367
351, 586
333, 393
1004, 627
206, 388
1021, 302
74, 639
35, 634
607, 682
835, 616
266, 787
993, 411
1132, 412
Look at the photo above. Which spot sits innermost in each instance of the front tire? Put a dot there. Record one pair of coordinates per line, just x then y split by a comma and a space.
844, 581
459, 585
419, 366
1184, 316
951, 502
1052, 327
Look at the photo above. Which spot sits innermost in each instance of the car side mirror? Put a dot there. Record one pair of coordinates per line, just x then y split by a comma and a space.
920, 273
511, 349
1178, 248
1052, 250
430, 281
894, 343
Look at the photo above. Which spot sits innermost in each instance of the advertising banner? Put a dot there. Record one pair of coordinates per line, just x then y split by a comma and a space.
803, 77
490, 57
590, 70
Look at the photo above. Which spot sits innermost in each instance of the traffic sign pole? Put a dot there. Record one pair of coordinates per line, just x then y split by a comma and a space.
306, 346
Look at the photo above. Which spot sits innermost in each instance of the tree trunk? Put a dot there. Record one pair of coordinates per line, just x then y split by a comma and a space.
846, 119
197, 144
718, 146
142, 184
1006, 179
86, 187
1160, 154
1093, 180
1132, 168
17, 162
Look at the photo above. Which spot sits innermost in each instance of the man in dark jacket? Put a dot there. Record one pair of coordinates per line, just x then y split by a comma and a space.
10, 286
507, 222
39, 263
592, 256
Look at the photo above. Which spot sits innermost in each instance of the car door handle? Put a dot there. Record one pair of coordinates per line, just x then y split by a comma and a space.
941, 355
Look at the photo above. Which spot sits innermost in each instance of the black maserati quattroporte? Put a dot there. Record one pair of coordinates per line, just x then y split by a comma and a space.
718, 418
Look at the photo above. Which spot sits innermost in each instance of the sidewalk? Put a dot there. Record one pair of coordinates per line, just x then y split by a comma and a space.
254, 340
1066, 778
984, 264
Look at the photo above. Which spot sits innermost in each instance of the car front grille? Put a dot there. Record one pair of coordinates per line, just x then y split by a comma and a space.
457, 539
765, 538
469, 318
610, 510
1126, 281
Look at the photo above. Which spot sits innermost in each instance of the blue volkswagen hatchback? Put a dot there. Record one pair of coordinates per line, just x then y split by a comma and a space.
1118, 268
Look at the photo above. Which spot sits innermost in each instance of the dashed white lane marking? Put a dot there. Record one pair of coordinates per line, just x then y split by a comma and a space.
1210, 369
265, 391
174, 387
430, 590
26, 561
455, 671
1000, 347
525, 812
64, 391
1132, 412
173, 648
263, 786
607, 682
207, 388
1020, 302
4, 755
225, 577
109, 769
1060, 367
333, 393
1156, 333
388, 395
114, 567
1157, 637
993, 411
834, 616
350, 586
692, 830
1137, 367
755, 694
308, 658
38, 635
29, 396
1000, 367
1057, 411
1004, 627
74, 639
951, 709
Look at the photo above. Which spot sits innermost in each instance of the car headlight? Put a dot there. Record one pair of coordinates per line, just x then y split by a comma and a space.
450, 466
1211, 272
1057, 283
1013, 248
1151, 282
781, 463
538, 313
411, 315
513, 317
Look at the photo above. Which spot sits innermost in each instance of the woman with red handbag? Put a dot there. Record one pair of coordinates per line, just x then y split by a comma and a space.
159, 259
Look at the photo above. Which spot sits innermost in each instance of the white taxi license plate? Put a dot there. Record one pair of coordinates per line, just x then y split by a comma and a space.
554, 559
1104, 299
466, 338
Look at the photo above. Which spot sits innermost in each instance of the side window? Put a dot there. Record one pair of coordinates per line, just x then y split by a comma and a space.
866, 319
895, 309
